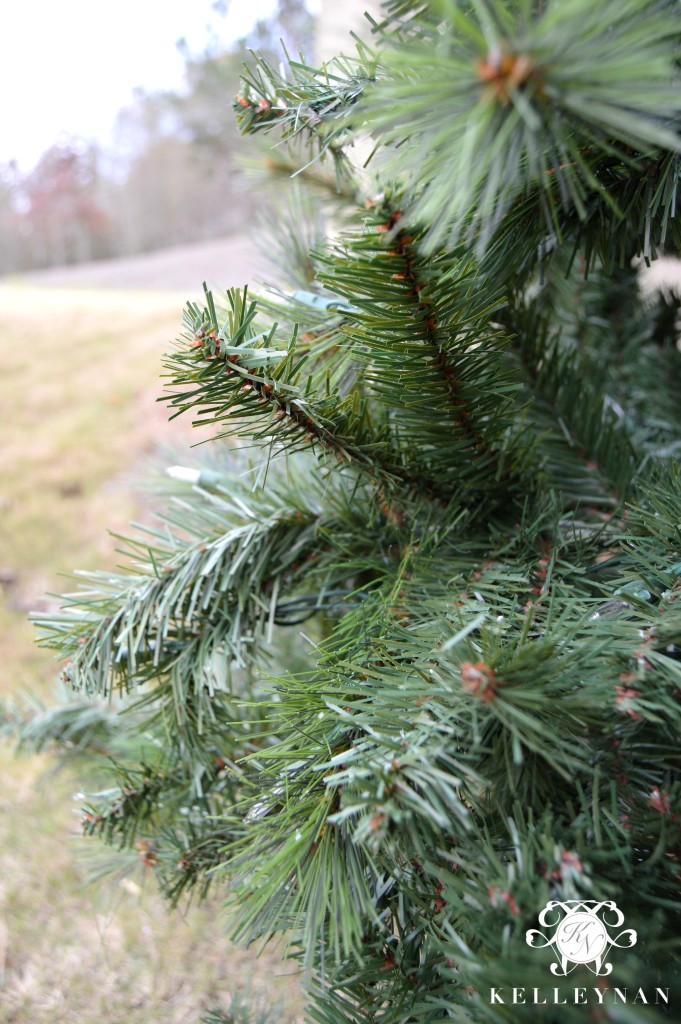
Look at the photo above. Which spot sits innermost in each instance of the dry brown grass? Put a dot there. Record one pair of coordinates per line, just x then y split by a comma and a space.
80, 376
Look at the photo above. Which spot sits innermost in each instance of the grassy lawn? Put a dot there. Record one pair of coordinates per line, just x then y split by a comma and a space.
78, 419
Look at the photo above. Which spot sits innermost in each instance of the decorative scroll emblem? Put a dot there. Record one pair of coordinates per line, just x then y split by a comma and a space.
580, 933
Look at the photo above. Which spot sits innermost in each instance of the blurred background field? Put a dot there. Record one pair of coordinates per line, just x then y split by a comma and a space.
102, 241
72, 444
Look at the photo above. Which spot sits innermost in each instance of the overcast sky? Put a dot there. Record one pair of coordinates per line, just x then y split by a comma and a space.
68, 66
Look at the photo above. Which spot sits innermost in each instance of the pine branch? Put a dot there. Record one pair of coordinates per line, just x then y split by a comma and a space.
73, 729
292, 233
131, 628
390, 719
307, 102
233, 376
507, 99
203, 596
431, 352
243, 1010
587, 449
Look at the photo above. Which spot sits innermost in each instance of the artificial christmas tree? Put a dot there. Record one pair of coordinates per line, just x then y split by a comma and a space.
402, 671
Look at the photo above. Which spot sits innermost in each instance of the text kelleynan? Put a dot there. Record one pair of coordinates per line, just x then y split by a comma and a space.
586, 996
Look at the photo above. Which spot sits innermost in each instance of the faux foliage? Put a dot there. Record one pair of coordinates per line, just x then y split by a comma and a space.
406, 636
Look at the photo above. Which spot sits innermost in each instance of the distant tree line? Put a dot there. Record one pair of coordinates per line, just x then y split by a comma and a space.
172, 177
